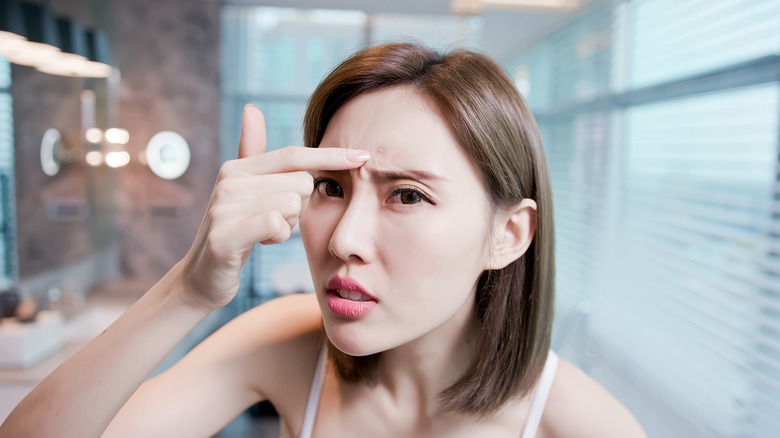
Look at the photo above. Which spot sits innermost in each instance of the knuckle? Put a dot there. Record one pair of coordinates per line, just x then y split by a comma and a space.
227, 168
279, 229
284, 233
216, 214
215, 244
294, 201
306, 182
273, 222
222, 189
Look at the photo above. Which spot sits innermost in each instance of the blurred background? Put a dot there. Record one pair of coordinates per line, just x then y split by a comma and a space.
661, 123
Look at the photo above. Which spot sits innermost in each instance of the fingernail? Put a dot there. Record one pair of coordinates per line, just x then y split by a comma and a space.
358, 156
247, 106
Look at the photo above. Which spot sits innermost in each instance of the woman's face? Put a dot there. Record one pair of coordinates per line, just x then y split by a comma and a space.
395, 247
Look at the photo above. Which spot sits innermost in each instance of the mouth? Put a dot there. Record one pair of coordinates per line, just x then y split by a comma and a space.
348, 289
351, 295
347, 298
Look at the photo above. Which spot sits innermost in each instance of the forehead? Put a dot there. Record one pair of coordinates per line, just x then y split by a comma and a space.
401, 128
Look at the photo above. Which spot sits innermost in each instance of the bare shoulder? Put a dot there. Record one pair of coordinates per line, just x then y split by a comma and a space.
285, 319
579, 406
272, 346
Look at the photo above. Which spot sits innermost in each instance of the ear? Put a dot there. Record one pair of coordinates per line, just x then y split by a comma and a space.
514, 230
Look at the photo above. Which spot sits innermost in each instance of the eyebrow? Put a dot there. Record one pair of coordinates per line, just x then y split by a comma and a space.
384, 176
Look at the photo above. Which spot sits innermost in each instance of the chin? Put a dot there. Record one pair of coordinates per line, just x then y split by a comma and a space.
351, 340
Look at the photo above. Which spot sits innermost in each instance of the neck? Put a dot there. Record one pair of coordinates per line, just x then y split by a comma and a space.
419, 371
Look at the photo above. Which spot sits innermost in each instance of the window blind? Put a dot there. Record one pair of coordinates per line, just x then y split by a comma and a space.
8, 261
696, 190
672, 39
668, 269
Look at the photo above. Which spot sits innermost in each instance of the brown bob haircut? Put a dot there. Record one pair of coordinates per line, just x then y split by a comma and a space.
491, 121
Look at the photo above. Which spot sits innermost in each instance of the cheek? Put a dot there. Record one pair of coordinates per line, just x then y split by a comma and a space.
314, 232
440, 247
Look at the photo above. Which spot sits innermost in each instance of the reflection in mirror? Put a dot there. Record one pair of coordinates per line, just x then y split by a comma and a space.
51, 149
168, 155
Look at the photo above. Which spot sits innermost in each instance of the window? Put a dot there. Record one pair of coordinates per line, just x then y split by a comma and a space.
661, 122
8, 260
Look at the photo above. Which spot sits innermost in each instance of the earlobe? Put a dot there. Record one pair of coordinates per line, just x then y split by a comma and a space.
514, 231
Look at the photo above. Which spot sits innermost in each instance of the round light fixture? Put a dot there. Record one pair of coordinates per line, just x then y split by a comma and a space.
51, 149
94, 158
168, 155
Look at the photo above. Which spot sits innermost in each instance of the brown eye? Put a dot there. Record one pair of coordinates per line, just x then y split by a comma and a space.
329, 188
410, 197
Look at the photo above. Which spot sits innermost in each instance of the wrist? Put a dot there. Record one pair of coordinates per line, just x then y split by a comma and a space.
181, 288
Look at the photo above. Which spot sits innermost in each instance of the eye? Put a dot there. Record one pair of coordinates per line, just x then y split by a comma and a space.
328, 187
409, 196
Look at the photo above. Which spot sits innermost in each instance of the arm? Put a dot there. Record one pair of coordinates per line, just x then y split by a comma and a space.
220, 378
578, 406
79, 398
257, 198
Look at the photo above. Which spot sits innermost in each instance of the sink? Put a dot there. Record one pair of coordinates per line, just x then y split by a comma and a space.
23, 344
92, 321
72, 334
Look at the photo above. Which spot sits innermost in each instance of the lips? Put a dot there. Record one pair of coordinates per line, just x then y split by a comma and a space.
352, 295
347, 298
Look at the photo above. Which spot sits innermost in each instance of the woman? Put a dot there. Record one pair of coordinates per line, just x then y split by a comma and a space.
425, 211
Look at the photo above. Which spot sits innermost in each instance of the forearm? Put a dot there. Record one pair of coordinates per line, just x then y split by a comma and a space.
81, 397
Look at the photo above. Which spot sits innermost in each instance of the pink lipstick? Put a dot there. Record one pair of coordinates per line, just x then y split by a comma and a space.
347, 298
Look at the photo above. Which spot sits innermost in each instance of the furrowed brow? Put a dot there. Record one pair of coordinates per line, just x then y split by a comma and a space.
383, 176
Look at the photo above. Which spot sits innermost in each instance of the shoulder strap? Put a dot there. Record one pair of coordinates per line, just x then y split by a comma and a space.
540, 398
310, 413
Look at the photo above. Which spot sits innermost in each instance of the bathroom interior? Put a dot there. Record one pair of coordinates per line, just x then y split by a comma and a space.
661, 125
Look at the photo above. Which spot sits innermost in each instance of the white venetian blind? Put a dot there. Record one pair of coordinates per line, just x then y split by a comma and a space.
666, 207
674, 38
681, 303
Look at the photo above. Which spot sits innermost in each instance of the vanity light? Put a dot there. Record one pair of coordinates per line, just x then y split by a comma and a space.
11, 22
117, 159
94, 135
94, 158
475, 7
54, 155
41, 43
168, 155
51, 144
117, 136
30, 35
73, 43
88, 57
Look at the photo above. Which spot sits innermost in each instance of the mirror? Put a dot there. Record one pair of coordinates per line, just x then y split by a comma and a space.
168, 155
51, 152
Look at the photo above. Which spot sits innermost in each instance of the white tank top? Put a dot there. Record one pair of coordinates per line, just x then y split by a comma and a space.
531, 423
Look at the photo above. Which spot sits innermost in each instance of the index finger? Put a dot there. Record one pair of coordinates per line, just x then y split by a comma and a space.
298, 158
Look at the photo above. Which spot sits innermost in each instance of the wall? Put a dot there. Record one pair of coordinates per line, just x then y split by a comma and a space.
167, 53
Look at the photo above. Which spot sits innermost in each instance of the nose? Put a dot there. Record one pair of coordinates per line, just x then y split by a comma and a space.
353, 237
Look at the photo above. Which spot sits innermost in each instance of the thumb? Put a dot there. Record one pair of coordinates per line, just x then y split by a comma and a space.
253, 140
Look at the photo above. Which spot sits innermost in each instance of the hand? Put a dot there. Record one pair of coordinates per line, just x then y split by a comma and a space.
257, 198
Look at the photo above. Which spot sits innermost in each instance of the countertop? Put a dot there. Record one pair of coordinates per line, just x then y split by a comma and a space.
96, 315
